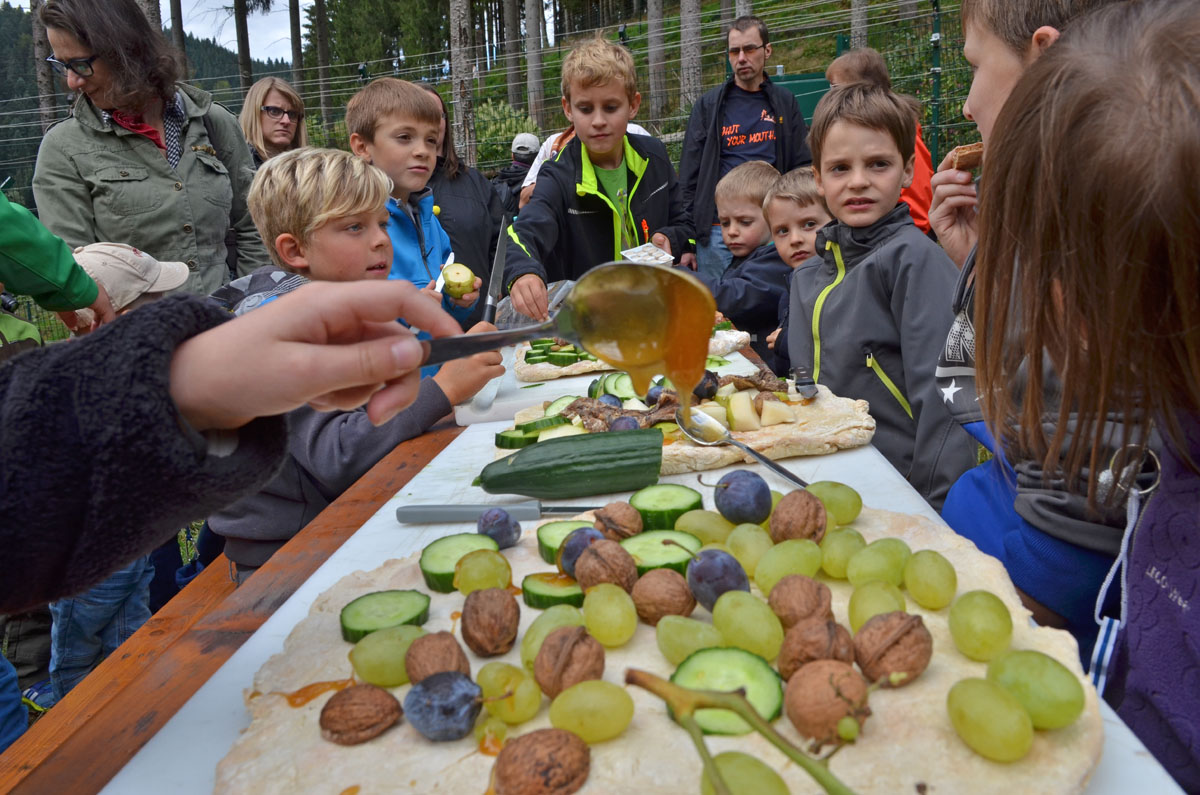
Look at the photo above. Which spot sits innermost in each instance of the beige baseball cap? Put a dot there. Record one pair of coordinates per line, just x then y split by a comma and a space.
128, 273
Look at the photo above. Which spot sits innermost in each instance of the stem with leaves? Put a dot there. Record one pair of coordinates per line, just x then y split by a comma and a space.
683, 703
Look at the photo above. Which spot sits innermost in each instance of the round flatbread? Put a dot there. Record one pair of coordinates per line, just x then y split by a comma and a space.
907, 745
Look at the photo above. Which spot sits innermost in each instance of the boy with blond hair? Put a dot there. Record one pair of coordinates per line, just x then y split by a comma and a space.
606, 191
324, 214
395, 126
795, 212
748, 292
869, 314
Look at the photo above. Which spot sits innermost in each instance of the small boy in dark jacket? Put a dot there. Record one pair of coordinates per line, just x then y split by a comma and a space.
605, 192
870, 312
749, 291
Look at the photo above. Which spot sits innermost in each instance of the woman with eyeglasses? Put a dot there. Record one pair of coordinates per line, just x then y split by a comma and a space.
272, 119
143, 159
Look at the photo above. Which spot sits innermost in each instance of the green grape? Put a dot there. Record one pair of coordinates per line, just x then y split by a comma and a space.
1045, 687
551, 619
379, 657
483, 568
837, 547
708, 526
525, 697
679, 637
595, 710
744, 775
989, 720
794, 556
930, 579
745, 621
842, 503
609, 614
715, 545
748, 543
765, 524
980, 625
883, 559
872, 598
490, 732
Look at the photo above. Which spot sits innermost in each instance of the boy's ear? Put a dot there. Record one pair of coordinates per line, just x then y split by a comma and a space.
908, 171
816, 172
635, 103
358, 145
566, 103
290, 250
1041, 41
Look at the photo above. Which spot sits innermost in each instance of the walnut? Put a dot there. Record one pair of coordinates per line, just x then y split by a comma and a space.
618, 520
358, 713
822, 693
568, 656
662, 592
763, 396
798, 515
893, 645
489, 621
432, 654
814, 639
605, 561
542, 762
796, 598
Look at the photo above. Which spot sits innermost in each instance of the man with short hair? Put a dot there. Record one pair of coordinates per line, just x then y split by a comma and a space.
508, 180
748, 118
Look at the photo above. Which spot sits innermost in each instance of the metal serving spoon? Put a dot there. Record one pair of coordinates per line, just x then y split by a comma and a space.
707, 432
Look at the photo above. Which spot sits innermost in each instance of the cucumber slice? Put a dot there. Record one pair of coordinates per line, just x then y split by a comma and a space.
561, 403
649, 551
610, 383
382, 609
560, 430
562, 358
622, 386
727, 670
596, 388
541, 423
439, 558
549, 588
567, 348
514, 439
660, 505
544, 342
713, 362
550, 537
540, 348
536, 359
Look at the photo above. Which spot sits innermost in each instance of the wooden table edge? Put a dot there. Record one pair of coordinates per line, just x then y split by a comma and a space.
83, 741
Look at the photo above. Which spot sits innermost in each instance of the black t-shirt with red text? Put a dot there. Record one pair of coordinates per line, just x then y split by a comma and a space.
748, 129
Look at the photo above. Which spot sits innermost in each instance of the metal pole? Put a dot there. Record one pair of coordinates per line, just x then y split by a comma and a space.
935, 41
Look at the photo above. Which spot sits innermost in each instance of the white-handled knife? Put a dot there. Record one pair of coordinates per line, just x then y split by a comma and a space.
527, 510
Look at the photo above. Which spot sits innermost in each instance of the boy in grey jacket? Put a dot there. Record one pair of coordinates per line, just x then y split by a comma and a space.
870, 311
324, 217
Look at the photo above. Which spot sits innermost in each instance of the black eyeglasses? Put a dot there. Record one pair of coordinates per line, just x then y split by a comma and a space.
279, 113
749, 49
80, 66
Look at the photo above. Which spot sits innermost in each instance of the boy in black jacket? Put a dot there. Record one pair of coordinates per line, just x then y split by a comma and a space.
749, 291
605, 192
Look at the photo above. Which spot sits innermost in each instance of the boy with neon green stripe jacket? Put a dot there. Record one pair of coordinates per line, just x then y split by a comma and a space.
870, 311
605, 192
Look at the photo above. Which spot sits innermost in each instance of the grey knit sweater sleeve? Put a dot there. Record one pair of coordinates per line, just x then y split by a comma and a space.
98, 466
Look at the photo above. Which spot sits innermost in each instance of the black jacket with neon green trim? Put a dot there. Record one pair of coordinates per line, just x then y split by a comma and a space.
876, 323
570, 226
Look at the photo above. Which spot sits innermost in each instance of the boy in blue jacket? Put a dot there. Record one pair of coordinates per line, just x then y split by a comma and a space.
871, 310
606, 191
393, 125
749, 291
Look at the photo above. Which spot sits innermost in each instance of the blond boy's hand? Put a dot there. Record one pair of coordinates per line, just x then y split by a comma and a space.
468, 300
529, 297
331, 345
774, 335
660, 240
952, 211
460, 379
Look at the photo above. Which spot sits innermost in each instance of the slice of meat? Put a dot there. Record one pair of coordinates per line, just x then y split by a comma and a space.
761, 380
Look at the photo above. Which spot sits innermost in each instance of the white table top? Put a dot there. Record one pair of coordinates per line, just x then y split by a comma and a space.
183, 755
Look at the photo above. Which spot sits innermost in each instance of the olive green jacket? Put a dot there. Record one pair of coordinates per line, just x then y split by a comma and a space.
98, 182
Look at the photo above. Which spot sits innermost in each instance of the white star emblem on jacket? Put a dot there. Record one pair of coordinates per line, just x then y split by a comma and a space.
949, 392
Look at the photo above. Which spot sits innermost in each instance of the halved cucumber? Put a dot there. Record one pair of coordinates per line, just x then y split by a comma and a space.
559, 404
550, 588
649, 550
535, 358
513, 439
382, 609
727, 670
569, 429
661, 504
439, 558
541, 423
550, 537
562, 358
